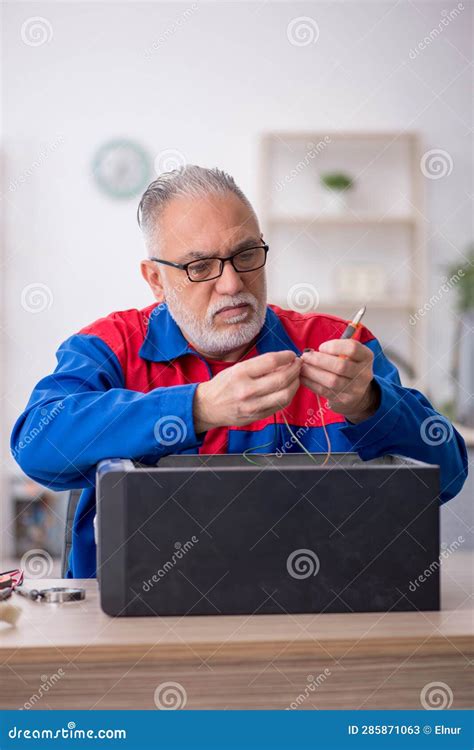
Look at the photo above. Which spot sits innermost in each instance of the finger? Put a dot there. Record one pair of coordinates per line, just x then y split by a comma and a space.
321, 390
277, 381
346, 347
327, 393
266, 363
335, 383
275, 401
345, 367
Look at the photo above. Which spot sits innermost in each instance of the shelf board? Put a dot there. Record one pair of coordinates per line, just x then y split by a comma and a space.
353, 135
346, 304
350, 219
328, 306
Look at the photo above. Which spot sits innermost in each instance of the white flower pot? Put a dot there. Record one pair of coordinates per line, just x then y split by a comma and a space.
334, 202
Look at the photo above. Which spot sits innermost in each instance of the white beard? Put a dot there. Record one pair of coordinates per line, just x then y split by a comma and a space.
207, 337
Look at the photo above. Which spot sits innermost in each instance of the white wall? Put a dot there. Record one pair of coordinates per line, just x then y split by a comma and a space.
209, 89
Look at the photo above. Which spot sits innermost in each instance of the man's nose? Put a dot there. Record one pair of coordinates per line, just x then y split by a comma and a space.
230, 282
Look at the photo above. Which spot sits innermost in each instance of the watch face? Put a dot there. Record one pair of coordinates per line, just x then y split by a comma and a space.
121, 169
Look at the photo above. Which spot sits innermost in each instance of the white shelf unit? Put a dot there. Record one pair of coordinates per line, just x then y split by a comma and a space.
380, 232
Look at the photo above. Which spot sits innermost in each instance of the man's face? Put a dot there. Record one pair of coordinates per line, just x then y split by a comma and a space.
224, 314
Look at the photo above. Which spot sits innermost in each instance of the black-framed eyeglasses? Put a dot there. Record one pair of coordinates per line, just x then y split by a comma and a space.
206, 269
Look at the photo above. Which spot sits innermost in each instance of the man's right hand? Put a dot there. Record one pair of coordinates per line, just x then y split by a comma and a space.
247, 391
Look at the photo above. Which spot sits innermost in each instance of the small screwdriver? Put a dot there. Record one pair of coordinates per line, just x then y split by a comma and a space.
354, 324
350, 329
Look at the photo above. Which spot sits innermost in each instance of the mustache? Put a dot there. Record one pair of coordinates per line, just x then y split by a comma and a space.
238, 299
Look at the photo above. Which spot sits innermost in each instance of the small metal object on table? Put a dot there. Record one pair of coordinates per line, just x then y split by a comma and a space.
54, 595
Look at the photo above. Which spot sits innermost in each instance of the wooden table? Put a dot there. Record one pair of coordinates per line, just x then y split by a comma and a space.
74, 656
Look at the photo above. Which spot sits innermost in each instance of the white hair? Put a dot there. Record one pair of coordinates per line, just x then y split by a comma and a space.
190, 181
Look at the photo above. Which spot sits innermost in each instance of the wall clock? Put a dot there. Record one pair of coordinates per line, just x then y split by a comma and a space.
121, 168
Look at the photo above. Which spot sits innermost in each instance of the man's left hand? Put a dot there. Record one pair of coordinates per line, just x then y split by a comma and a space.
342, 372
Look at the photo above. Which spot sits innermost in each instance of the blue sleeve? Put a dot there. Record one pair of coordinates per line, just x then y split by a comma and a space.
406, 424
82, 413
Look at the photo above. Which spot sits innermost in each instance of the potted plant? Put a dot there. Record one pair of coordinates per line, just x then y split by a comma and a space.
336, 187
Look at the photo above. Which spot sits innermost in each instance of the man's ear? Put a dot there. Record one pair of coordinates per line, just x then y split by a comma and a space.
152, 276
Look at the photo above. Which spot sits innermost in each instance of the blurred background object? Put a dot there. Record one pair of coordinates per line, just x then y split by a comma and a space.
39, 517
463, 374
122, 169
364, 244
